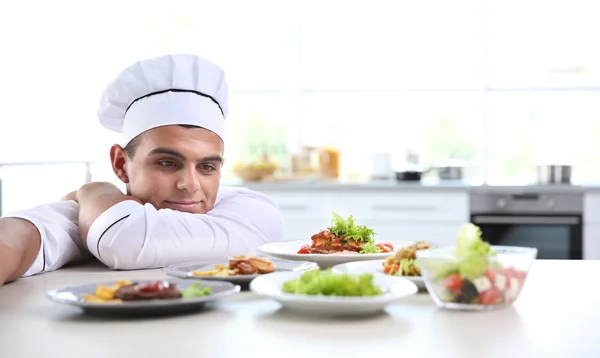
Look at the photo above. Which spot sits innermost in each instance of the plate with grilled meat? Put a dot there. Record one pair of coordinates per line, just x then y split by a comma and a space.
402, 264
343, 241
240, 269
143, 297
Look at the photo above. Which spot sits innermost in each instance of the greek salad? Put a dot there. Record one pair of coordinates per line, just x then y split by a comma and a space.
475, 276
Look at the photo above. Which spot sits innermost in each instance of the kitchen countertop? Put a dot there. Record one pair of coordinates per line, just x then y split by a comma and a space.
557, 315
426, 187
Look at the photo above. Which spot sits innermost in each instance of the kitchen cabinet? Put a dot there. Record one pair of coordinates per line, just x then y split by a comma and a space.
434, 216
591, 226
591, 207
591, 241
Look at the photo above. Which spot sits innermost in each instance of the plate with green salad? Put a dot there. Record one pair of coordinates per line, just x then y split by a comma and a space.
325, 292
343, 240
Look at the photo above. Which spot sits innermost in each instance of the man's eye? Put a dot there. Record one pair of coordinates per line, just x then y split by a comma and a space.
207, 167
166, 163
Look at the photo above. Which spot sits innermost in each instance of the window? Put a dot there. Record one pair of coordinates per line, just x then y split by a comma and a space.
408, 45
503, 84
542, 44
436, 124
259, 125
528, 128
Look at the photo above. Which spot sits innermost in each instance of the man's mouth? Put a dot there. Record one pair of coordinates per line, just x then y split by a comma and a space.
183, 205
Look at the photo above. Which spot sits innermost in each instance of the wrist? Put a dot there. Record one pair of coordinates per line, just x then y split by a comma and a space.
19, 245
97, 188
10, 258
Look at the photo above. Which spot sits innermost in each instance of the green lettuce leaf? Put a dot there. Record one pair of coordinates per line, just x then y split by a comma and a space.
349, 229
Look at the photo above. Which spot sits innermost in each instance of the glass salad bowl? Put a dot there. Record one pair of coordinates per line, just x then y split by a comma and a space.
475, 280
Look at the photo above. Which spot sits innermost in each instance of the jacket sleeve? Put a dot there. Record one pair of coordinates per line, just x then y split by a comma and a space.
132, 236
61, 243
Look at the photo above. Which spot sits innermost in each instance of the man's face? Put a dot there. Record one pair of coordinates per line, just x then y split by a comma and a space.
173, 167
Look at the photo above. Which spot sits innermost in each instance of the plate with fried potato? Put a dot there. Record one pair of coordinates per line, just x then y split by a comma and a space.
240, 269
142, 297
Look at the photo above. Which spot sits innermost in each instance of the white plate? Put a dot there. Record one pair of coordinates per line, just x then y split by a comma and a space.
185, 270
374, 266
289, 250
74, 296
394, 289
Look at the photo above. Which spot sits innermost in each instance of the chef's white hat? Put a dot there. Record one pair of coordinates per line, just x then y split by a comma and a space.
166, 90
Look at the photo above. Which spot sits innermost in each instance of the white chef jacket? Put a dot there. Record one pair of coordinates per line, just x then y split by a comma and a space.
131, 236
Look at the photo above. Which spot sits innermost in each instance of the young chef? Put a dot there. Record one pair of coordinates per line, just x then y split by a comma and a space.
171, 112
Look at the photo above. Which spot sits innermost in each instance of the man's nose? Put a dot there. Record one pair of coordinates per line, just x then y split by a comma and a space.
189, 180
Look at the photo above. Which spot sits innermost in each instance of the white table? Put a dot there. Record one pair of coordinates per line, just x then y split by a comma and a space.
557, 315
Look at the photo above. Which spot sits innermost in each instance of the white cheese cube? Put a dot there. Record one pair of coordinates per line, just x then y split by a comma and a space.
500, 282
482, 284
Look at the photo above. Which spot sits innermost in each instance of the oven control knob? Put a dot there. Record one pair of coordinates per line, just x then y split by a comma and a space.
550, 203
501, 203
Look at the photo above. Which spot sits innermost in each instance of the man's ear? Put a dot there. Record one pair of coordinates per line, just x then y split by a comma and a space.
118, 160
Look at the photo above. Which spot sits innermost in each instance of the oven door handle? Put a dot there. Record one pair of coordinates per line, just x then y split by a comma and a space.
527, 220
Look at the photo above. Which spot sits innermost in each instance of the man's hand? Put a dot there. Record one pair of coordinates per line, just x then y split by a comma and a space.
94, 199
19, 244
71, 196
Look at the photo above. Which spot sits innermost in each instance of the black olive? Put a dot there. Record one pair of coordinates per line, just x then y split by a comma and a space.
468, 292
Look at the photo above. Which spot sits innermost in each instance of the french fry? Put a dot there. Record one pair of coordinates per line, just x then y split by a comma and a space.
205, 273
105, 294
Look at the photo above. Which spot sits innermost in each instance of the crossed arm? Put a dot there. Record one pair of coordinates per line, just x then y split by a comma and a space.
123, 233
20, 239
94, 199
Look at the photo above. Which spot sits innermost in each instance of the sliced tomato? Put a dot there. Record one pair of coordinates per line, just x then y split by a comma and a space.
304, 250
385, 247
490, 296
454, 282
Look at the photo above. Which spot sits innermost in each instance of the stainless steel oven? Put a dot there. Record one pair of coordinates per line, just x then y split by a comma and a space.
551, 222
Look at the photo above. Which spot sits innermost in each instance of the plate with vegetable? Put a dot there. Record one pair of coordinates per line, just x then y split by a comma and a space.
324, 292
475, 275
143, 297
240, 269
343, 241
400, 264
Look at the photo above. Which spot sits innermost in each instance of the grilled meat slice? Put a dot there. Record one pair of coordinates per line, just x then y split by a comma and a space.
248, 265
134, 292
327, 242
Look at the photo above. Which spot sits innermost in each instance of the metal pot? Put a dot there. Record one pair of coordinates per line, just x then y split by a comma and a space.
554, 174
450, 173
451, 169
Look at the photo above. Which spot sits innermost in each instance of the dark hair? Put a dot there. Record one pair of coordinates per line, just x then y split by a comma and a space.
131, 147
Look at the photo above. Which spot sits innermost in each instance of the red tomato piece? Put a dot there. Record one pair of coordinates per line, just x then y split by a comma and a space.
491, 296
454, 282
304, 250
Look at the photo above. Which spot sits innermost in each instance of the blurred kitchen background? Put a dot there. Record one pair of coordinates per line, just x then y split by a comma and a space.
341, 91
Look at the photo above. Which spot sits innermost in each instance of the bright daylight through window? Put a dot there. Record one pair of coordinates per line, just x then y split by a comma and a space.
496, 83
